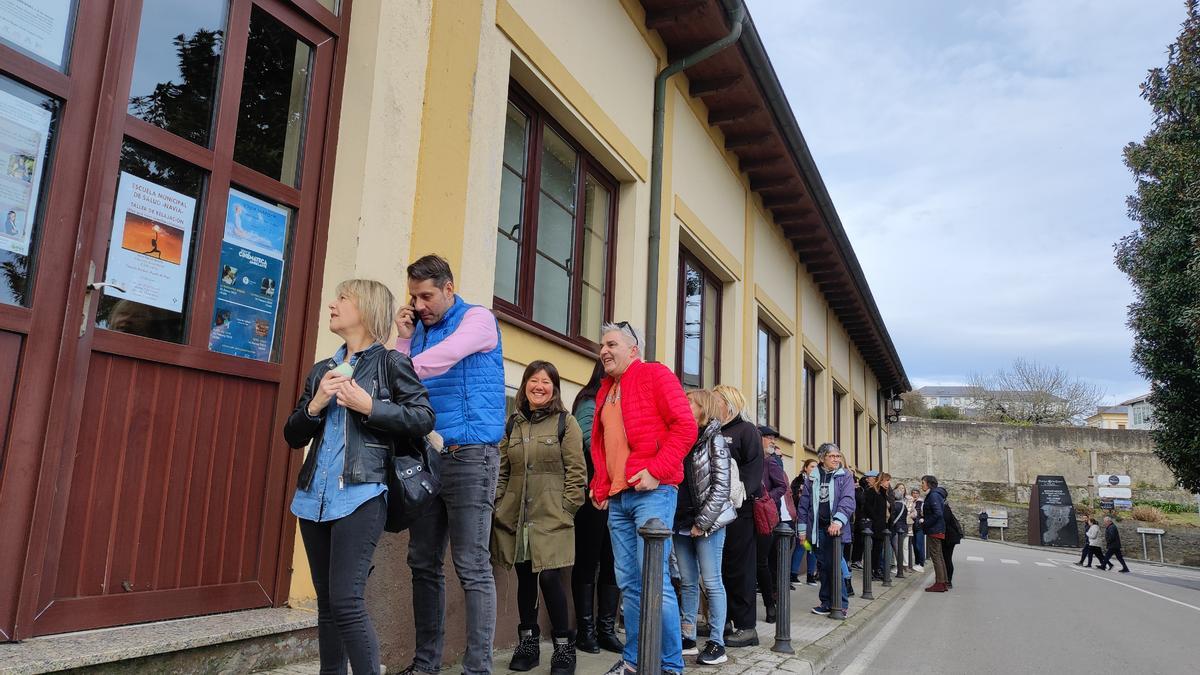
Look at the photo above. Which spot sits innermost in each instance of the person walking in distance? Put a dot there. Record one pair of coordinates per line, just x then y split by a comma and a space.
540, 488
1093, 541
703, 511
824, 512
642, 431
592, 580
456, 351
933, 522
341, 491
983, 524
738, 571
802, 558
1112, 540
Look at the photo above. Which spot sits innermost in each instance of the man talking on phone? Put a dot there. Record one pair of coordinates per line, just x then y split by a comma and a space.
455, 350
642, 430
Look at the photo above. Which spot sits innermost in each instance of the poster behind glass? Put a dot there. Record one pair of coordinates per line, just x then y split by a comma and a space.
24, 131
151, 239
249, 278
38, 28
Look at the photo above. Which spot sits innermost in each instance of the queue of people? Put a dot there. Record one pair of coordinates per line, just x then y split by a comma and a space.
550, 491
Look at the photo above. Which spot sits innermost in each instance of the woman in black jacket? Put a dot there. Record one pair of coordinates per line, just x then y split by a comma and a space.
354, 406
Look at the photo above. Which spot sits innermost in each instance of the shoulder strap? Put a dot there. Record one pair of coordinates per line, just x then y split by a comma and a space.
508, 426
562, 426
383, 386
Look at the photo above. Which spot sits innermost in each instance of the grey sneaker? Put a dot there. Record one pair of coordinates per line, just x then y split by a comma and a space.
744, 637
621, 668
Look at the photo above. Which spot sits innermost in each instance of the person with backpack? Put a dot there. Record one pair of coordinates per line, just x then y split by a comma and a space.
593, 580
954, 536
703, 511
539, 490
826, 506
933, 522
341, 492
802, 559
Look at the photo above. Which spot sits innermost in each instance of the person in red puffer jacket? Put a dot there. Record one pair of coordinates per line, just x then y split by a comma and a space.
642, 430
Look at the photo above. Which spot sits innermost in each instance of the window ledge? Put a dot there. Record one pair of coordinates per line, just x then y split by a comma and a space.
541, 331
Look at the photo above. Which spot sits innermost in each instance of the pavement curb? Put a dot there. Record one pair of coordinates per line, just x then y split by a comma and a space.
820, 653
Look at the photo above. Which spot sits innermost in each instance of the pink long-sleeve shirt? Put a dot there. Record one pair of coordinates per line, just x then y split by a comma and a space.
476, 333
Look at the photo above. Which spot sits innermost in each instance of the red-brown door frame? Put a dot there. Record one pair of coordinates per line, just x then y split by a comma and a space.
49, 448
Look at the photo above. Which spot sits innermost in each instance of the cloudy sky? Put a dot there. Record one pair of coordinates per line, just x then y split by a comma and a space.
973, 151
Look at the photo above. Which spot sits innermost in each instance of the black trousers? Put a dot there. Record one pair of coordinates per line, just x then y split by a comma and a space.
948, 556
553, 590
593, 548
738, 571
339, 555
1106, 561
766, 568
877, 544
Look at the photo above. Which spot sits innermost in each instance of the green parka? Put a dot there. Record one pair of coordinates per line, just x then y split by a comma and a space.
541, 483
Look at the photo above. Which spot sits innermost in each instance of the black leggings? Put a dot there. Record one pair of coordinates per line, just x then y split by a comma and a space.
767, 568
948, 556
593, 548
339, 555
738, 571
553, 590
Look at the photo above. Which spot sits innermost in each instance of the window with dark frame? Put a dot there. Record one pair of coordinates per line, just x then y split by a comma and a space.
871, 442
838, 397
810, 407
767, 397
857, 422
555, 229
698, 324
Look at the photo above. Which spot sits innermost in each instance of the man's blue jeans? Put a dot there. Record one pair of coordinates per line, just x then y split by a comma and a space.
700, 563
825, 554
798, 562
628, 511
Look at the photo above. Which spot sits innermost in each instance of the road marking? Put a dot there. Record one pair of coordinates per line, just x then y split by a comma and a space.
869, 653
1006, 561
974, 558
1140, 590
1042, 564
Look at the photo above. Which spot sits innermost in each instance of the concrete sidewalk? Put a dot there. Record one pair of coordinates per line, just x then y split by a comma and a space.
815, 639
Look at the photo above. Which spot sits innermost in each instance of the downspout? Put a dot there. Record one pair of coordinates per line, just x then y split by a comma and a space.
656, 168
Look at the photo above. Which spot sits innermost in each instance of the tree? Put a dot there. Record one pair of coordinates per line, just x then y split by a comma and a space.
944, 412
1033, 393
914, 404
1162, 257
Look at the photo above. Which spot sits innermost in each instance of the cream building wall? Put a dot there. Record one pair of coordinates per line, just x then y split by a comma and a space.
418, 171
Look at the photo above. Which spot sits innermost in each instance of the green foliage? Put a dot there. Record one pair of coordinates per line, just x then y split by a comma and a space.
1165, 506
945, 412
1162, 257
914, 404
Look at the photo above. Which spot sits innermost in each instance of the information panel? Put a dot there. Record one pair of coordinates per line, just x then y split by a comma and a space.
24, 129
150, 245
1052, 513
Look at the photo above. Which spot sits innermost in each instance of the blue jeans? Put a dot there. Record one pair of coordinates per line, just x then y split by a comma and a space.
700, 562
627, 512
798, 561
825, 555
461, 514
918, 542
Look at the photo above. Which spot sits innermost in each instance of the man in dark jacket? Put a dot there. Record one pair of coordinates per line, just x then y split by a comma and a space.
775, 485
933, 522
824, 512
983, 524
1112, 542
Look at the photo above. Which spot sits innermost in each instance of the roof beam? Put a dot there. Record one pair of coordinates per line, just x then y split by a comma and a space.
774, 183
716, 85
657, 19
752, 163
746, 141
727, 116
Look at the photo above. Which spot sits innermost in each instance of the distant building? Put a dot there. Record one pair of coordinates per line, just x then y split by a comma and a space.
954, 397
967, 402
1136, 413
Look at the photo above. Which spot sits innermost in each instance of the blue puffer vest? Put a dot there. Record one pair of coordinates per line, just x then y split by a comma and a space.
468, 399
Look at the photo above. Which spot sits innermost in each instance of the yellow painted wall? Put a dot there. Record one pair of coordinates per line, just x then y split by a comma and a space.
775, 265
702, 178
814, 322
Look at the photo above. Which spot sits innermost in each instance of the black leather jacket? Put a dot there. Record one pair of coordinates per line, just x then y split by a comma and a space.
407, 413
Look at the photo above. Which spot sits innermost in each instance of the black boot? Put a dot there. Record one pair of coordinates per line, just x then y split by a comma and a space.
606, 619
563, 660
585, 620
528, 652
771, 613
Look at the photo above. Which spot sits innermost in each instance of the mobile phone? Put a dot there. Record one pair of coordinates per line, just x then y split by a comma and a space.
344, 369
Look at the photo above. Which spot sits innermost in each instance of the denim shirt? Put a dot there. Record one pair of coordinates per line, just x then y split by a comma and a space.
327, 497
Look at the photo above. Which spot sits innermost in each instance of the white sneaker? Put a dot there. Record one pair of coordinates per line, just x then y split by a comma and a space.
918, 568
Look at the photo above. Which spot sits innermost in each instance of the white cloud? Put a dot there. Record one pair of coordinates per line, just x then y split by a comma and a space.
974, 155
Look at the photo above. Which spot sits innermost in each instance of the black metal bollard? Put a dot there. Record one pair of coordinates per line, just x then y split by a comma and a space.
887, 557
901, 544
785, 540
649, 637
868, 545
836, 611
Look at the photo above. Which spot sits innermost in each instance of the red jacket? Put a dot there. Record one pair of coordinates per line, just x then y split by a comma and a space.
658, 424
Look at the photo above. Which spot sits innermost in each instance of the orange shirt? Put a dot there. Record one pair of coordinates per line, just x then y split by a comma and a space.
616, 445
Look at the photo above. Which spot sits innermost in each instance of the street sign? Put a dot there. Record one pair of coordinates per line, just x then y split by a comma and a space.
1123, 504
997, 517
1107, 504
1115, 493
1150, 530
1113, 480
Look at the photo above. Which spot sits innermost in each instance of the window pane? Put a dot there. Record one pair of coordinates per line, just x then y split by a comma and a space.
773, 382
552, 296
516, 139
693, 287
763, 397
157, 214
40, 29
28, 121
596, 206
177, 66
274, 99
331, 5
552, 274
558, 169
250, 284
508, 237
709, 337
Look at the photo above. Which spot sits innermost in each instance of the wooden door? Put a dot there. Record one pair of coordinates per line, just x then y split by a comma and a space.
164, 478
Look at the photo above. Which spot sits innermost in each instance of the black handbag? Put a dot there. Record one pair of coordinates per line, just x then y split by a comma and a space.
414, 478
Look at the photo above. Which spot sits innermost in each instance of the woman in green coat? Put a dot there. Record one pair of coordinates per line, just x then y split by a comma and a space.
541, 486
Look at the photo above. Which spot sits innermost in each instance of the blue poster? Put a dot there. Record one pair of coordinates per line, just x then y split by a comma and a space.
249, 279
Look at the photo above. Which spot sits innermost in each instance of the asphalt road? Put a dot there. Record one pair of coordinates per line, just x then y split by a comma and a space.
1026, 610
